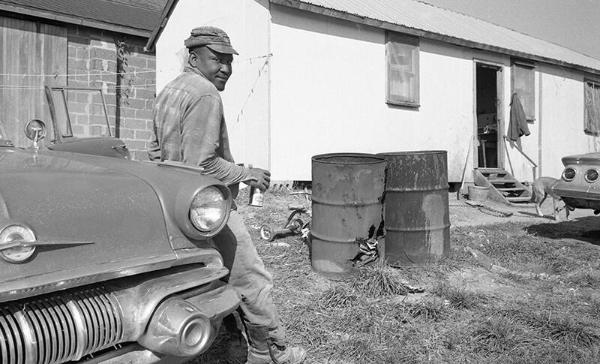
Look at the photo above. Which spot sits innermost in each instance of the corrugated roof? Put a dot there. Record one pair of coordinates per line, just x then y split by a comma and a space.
127, 16
429, 21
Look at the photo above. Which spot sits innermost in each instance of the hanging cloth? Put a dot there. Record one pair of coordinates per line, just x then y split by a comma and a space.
517, 126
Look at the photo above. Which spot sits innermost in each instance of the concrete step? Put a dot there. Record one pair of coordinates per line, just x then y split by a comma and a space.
501, 180
511, 189
519, 199
499, 171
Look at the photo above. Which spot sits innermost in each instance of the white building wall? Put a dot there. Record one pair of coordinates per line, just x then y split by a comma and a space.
328, 95
561, 109
246, 97
323, 91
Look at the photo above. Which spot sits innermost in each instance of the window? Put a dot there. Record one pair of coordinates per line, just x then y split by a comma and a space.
591, 102
523, 83
402, 56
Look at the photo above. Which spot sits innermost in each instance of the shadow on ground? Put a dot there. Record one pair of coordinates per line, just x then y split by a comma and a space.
584, 228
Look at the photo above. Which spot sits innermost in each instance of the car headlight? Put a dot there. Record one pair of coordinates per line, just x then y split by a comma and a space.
568, 174
591, 175
208, 209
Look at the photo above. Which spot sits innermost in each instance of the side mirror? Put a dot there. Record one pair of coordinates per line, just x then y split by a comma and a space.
35, 130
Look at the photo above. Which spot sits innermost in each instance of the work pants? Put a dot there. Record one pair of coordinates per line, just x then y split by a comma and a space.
249, 278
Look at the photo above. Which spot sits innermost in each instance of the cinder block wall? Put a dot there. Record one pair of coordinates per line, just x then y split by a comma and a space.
127, 81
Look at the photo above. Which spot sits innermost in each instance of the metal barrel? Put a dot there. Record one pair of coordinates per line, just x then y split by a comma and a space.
416, 212
347, 192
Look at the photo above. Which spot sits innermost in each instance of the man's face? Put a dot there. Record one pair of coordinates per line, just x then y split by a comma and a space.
215, 66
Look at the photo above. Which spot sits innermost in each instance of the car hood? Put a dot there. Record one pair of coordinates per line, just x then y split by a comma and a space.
107, 221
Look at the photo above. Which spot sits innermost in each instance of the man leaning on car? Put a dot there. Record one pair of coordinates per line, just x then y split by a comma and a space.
189, 126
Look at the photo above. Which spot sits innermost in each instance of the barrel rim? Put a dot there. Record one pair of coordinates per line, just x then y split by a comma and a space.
413, 152
375, 158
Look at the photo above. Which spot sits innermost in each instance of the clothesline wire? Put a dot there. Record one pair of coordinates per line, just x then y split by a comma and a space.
27, 87
251, 93
107, 73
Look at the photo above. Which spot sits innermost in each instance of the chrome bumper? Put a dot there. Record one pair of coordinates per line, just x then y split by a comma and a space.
71, 325
215, 304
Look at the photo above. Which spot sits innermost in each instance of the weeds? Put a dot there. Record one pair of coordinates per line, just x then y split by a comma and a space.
561, 327
571, 331
587, 279
499, 334
338, 296
427, 309
378, 280
459, 298
594, 309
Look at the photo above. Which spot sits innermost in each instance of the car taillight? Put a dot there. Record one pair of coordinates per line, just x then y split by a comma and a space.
591, 175
568, 174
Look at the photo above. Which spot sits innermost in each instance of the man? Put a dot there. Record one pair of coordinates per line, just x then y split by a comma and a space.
189, 126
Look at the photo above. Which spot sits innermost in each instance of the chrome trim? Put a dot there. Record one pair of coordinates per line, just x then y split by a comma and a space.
81, 334
23, 243
78, 322
167, 329
29, 337
20, 288
139, 308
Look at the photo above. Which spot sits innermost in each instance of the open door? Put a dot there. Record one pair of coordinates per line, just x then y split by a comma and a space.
489, 123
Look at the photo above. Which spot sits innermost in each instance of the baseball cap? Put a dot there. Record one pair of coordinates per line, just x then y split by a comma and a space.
211, 37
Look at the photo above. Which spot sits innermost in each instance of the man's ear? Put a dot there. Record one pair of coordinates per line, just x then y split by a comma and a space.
192, 59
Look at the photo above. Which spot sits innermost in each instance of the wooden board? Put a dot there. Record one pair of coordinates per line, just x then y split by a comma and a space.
33, 54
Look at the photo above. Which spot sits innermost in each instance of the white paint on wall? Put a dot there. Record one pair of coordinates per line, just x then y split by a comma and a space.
328, 95
562, 119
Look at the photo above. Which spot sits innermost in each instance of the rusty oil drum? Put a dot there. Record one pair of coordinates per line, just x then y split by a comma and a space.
347, 189
416, 212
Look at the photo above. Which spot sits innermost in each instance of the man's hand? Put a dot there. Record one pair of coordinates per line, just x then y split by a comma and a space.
260, 178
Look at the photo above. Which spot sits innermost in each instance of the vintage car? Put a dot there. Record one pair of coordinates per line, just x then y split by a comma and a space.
104, 259
579, 186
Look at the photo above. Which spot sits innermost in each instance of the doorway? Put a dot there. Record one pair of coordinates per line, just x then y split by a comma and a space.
489, 127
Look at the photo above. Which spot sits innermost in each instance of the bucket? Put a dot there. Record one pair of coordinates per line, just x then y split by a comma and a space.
347, 189
478, 193
417, 219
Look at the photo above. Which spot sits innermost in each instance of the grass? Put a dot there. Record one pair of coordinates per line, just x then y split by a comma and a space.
379, 280
459, 297
499, 335
542, 307
338, 296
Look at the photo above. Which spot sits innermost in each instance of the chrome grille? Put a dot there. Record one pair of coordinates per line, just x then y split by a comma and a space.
59, 328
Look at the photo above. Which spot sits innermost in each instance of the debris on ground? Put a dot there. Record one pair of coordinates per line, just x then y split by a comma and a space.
481, 206
367, 252
293, 226
368, 248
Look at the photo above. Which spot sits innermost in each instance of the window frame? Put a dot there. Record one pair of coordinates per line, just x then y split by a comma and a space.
393, 38
530, 66
595, 83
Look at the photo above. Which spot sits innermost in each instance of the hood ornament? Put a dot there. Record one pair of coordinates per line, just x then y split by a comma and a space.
18, 243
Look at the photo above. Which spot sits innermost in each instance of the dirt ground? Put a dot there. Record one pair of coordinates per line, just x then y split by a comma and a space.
514, 289
463, 214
